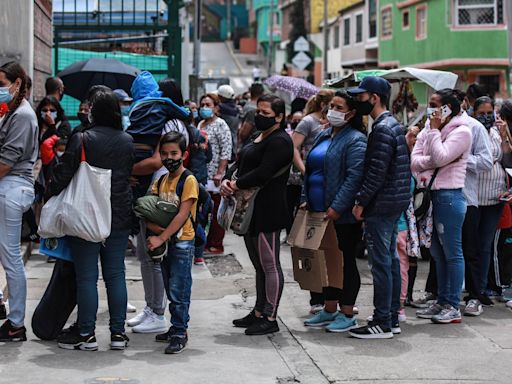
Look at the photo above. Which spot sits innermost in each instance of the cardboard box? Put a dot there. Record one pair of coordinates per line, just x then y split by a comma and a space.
317, 259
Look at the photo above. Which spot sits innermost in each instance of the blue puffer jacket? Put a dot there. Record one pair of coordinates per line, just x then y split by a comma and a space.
150, 111
343, 171
387, 171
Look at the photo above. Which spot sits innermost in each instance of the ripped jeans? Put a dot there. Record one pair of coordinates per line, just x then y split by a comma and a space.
449, 210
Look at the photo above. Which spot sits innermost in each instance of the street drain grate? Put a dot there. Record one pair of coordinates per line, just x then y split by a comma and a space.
111, 380
222, 265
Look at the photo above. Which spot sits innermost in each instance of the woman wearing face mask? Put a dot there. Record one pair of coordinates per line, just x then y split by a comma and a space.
303, 138
441, 151
51, 119
219, 139
18, 154
107, 147
334, 173
265, 163
491, 185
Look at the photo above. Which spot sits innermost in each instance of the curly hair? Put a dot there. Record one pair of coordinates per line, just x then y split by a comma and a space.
14, 71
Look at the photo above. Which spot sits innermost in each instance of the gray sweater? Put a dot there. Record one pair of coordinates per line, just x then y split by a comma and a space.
19, 142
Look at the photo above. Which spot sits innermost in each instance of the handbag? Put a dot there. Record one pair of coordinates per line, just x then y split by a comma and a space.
422, 197
245, 199
83, 208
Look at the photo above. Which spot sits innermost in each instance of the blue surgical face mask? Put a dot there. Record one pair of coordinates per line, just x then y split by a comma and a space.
125, 109
5, 95
206, 112
126, 122
195, 114
52, 114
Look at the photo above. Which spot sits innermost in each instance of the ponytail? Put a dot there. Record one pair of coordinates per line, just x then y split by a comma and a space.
14, 71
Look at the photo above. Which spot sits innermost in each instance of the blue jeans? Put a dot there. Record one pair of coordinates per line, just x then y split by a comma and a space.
16, 196
381, 233
111, 254
449, 210
177, 274
489, 216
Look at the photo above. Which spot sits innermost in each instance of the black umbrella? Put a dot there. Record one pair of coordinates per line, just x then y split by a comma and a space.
82, 75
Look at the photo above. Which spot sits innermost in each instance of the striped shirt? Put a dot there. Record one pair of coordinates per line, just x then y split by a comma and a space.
493, 182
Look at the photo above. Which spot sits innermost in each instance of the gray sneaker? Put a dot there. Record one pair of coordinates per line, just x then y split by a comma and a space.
447, 315
473, 308
427, 313
425, 301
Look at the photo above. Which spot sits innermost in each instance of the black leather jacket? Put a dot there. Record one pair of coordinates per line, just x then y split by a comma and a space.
387, 170
106, 148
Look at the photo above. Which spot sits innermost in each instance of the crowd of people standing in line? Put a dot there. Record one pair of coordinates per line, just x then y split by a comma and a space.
318, 157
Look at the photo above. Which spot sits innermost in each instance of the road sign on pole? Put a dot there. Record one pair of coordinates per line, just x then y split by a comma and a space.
301, 45
301, 60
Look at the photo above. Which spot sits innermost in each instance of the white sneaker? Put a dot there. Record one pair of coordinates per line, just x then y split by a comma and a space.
140, 317
509, 304
402, 317
152, 324
130, 308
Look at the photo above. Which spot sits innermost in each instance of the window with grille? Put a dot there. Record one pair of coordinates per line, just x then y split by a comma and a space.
359, 28
478, 12
336, 37
386, 23
346, 32
421, 23
372, 19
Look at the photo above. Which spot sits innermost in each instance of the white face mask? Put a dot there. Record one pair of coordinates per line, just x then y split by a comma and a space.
59, 153
336, 118
430, 111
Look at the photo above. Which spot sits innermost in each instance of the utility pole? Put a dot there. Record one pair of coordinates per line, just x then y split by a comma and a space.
228, 20
174, 40
326, 38
197, 37
271, 38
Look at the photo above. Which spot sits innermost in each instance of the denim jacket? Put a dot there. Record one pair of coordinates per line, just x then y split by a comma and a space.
343, 171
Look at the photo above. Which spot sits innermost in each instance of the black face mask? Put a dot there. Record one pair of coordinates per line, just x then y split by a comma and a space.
486, 120
294, 125
172, 165
83, 117
365, 107
264, 123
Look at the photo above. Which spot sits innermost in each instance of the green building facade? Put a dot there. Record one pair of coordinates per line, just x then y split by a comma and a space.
469, 38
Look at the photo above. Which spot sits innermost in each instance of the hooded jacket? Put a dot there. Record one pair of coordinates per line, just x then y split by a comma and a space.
150, 111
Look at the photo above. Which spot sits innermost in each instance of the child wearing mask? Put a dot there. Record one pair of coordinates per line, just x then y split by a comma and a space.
180, 187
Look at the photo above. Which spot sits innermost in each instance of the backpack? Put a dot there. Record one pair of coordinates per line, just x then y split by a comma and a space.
204, 207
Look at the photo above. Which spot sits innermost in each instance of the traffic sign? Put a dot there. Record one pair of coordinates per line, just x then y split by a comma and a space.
301, 60
301, 45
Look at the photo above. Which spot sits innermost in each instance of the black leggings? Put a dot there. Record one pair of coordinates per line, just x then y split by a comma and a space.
349, 237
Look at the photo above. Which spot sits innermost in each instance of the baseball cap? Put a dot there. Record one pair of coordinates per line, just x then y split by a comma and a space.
226, 92
372, 84
122, 95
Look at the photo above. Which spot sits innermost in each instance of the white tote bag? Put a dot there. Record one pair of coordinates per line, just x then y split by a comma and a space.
83, 209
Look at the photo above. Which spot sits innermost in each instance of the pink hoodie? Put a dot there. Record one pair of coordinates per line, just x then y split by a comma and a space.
447, 149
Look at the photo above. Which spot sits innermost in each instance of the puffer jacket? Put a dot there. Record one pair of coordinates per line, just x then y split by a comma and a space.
150, 111
387, 172
106, 148
343, 171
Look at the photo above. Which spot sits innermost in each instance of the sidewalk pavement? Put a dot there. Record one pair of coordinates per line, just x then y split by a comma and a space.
477, 351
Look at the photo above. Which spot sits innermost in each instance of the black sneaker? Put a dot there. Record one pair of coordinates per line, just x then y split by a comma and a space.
262, 326
485, 300
372, 331
176, 344
166, 336
246, 321
9, 333
118, 341
395, 328
74, 340
73, 328
3, 312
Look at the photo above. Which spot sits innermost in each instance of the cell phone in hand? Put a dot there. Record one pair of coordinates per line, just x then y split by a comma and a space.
506, 199
445, 112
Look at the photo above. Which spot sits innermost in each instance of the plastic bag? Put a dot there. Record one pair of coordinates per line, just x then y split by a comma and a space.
81, 210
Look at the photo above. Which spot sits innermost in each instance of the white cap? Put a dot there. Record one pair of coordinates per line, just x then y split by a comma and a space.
226, 92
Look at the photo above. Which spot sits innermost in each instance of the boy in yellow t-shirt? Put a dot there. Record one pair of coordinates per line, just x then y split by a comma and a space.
177, 266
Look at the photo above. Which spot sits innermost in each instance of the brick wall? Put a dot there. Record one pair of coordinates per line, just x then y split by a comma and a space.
43, 41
